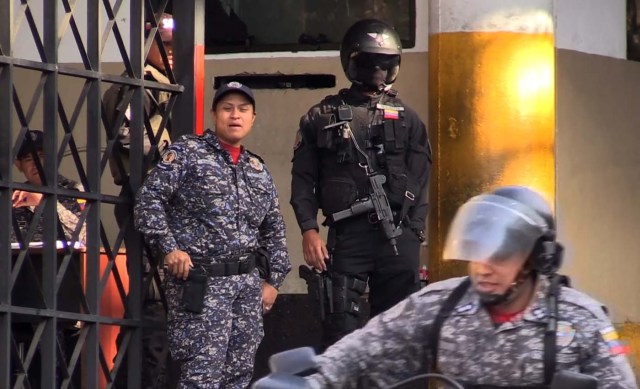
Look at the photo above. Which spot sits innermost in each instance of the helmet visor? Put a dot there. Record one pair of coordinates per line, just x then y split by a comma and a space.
492, 229
371, 61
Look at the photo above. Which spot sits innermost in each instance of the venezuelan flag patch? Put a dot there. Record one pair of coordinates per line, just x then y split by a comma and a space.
391, 114
614, 343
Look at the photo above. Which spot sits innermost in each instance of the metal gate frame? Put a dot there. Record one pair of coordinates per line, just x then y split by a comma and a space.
186, 104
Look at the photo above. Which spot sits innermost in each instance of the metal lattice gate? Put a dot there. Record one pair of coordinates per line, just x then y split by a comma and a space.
55, 338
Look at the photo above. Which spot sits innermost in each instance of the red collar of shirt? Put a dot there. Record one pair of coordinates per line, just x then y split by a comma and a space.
233, 150
499, 318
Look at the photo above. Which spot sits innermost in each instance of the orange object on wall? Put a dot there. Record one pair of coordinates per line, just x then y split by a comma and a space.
111, 306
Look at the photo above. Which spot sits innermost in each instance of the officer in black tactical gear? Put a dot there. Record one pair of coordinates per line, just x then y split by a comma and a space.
363, 157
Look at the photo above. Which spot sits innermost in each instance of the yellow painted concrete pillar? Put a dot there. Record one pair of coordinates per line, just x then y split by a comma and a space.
491, 105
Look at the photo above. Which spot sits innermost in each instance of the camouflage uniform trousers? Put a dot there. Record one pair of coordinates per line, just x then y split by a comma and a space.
217, 347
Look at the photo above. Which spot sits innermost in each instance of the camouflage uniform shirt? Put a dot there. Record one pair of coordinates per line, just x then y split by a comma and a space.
472, 349
196, 200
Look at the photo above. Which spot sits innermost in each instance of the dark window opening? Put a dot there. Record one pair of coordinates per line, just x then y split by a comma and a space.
279, 81
233, 26
633, 30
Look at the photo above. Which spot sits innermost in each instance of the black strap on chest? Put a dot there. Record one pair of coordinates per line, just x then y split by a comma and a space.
552, 326
556, 281
444, 313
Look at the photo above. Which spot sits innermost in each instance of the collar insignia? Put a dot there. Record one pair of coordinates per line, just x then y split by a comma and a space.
256, 164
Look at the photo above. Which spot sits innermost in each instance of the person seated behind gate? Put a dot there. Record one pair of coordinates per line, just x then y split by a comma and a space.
25, 202
28, 284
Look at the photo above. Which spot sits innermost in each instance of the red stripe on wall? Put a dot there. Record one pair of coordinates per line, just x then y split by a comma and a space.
198, 63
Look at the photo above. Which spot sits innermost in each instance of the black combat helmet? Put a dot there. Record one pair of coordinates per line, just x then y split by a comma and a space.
368, 44
510, 220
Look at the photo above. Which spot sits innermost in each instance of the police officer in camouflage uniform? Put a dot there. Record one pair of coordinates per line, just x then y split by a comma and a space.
488, 330
208, 206
331, 169
24, 202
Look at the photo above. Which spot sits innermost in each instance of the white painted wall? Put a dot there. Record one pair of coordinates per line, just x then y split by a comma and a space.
528, 16
590, 26
25, 48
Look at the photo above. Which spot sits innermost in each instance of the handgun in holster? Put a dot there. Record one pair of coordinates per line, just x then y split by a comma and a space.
319, 287
194, 290
262, 263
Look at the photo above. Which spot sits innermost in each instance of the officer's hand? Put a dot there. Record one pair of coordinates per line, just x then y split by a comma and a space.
314, 250
178, 263
269, 294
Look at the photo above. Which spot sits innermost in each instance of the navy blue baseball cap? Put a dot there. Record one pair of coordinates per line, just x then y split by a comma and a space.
33, 140
233, 86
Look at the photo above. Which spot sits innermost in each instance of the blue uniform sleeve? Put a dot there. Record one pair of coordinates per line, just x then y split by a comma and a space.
154, 198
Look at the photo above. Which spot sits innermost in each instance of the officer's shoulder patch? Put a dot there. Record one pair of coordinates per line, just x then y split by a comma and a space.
172, 154
256, 164
169, 156
255, 161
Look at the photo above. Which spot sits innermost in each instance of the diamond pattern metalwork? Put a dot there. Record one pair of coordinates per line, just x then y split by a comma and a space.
55, 344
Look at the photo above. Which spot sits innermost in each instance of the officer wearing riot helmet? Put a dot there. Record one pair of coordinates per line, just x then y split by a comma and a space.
512, 323
363, 157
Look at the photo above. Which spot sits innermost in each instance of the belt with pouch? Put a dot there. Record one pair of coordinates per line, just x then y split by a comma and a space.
242, 264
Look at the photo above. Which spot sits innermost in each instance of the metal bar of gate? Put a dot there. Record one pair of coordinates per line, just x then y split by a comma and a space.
188, 59
134, 249
91, 348
48, 343
6, 165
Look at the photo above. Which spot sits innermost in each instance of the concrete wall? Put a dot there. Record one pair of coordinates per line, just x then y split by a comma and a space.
598, 176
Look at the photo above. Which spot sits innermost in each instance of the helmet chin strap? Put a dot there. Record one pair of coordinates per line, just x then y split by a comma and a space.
494, 299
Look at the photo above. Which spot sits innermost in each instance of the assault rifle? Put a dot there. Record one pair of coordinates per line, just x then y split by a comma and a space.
379, 203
